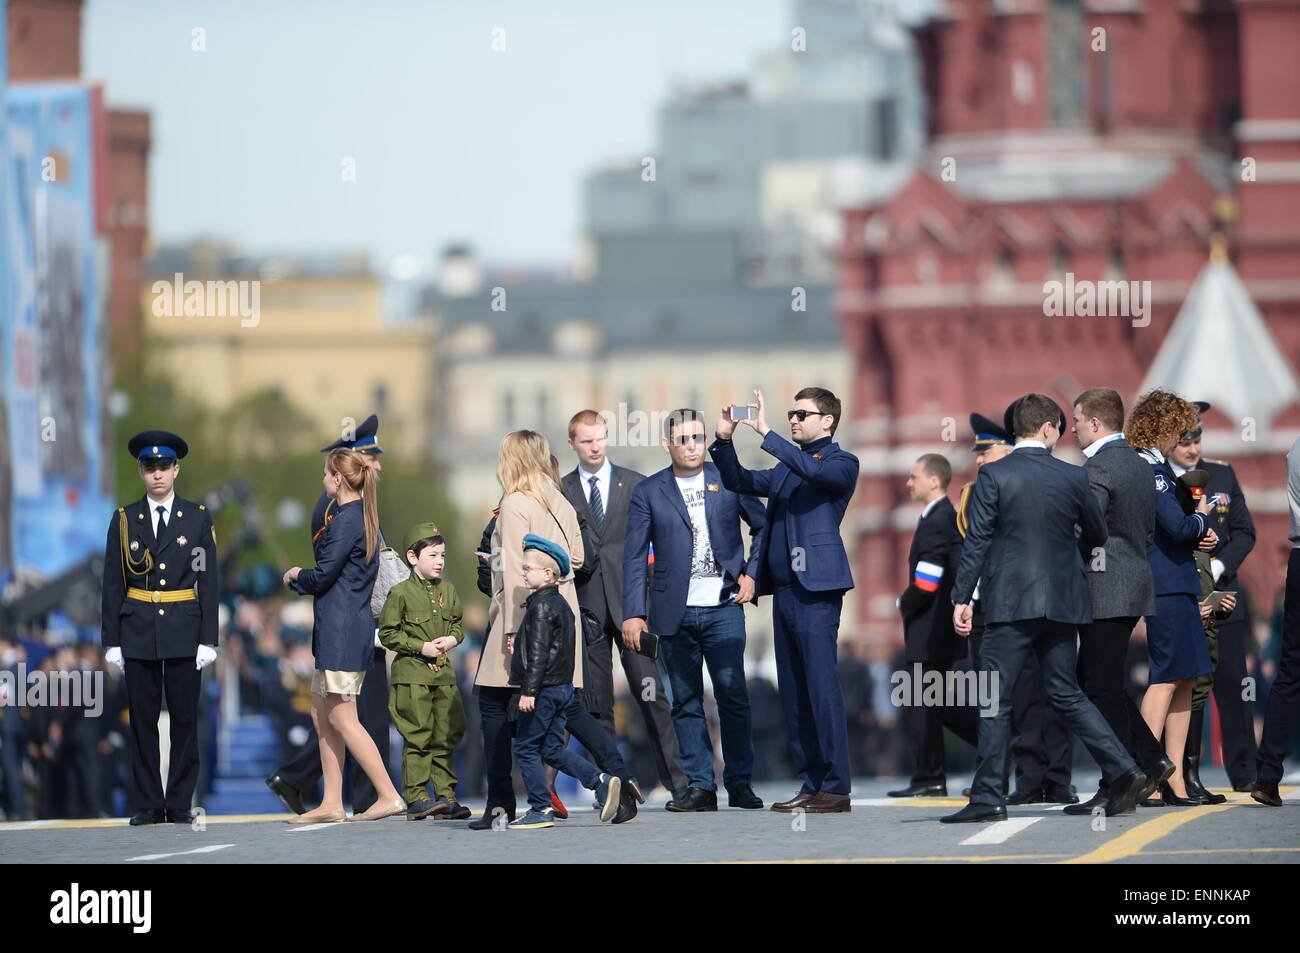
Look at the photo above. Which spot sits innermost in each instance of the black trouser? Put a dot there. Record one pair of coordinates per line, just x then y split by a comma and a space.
925, 724
498, 732
1006, 648
146, 682
1236, 714
1103, 650
647, 688
1284, 696
1041, 744
304, 770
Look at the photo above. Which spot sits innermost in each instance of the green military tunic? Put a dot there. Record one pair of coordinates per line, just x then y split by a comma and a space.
1203, 684
424, 698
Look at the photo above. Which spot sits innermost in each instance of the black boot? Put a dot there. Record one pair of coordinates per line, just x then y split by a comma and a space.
1192, 762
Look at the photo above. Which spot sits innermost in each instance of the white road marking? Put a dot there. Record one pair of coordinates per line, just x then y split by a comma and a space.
1000, 831
26, 825
197, 850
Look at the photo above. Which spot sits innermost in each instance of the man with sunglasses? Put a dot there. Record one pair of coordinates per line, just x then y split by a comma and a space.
160, 590
701, 580
805, 569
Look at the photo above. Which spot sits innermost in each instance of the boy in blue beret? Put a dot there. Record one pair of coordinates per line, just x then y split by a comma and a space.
421, 622
542, 667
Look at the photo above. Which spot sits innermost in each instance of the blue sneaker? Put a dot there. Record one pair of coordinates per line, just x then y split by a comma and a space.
608, 790
532, 819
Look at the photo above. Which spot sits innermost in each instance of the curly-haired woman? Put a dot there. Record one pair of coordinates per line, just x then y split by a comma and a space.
1176, 647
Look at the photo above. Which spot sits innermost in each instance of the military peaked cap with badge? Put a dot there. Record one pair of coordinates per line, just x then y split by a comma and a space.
160, 591
365, 440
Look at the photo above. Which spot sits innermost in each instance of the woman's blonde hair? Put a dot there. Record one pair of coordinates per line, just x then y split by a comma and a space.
1158, 414
351, 467
524, 465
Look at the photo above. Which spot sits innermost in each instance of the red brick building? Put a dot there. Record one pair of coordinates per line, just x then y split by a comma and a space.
1106, 139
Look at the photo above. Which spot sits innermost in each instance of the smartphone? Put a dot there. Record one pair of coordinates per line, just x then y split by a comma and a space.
482, 555
743, 412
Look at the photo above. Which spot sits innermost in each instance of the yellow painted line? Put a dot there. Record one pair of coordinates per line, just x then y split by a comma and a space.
892, 860
1132, 842
1222, 850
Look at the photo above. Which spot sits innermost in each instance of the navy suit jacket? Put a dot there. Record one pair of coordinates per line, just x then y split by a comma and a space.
1173, 549
1021, 546
343, 633
816, 488
657, 514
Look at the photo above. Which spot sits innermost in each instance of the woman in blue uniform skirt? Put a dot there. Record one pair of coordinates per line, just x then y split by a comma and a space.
1176, 648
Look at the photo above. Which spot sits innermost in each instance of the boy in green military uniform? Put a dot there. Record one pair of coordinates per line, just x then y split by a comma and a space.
1210, 619
421, 622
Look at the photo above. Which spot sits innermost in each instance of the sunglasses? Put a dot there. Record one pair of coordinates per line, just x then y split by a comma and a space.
802, 415
682, 439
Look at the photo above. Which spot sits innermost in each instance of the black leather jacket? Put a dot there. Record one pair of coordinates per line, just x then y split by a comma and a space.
544, 644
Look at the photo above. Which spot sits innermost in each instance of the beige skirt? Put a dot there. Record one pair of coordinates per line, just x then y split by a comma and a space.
347, 684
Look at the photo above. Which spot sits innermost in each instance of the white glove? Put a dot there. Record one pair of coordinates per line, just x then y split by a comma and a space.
114, 657
1217, 567
378, 644
206, 656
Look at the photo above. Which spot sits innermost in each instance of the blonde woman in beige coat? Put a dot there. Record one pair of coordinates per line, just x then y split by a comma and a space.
531, 502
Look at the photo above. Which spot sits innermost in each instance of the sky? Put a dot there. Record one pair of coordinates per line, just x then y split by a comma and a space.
452, 141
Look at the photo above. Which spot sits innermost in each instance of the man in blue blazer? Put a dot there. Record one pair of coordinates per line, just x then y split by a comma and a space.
805, 569
1023, 550
701, 579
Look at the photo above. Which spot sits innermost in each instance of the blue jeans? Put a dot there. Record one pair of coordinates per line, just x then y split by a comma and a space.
714, 636
539, 736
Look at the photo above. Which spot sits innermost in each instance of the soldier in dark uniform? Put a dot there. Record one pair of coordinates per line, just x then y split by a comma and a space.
160, 623
1231, 521
931, 645
300, 776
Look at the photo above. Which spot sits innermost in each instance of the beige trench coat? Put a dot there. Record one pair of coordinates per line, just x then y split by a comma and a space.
521, 514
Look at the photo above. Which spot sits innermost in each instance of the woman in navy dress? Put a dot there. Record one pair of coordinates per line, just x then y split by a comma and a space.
343, 633
1176, 648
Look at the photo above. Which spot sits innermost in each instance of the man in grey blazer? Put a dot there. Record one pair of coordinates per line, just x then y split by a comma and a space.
1119, 579
601, 492
1023, 551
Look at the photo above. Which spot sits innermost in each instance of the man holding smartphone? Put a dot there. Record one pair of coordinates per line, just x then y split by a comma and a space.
701, 579
805, 569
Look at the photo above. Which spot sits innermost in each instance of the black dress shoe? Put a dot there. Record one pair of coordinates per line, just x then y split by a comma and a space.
287, 793
158, 816
455, 811
1242, 786
1265, 792
929, 789
1169, 799
742, 795
696, 799
490, 815
1090, 805
795, 803
1060, 794
976, 812
181, 817
630, 784
1026, 797
1157, 774
1122, 796
626, 805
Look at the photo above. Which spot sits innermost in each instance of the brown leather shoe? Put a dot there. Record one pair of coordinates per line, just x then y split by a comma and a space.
796, 802
823, 802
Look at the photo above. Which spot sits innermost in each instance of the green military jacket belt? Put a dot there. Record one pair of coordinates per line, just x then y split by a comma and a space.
418, 611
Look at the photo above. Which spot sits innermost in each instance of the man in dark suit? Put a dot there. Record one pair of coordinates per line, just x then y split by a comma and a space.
929, 641
1023, 551
1119, 579
600, 492
160, 624
300, 775
806, 571
701, 580
1232, 523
